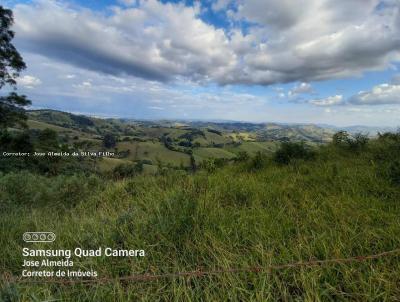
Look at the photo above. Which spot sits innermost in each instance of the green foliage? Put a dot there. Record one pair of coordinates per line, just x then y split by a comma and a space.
16, 142
214, 131
178, 219
356, 143
340, 138
27, 189
11, 64
212, 164
242, 156
82, 120
289, 151
48, 140
9, 293
128, 170
109, 140
336, 206
193, 165
12, 110
257, 162
394, 172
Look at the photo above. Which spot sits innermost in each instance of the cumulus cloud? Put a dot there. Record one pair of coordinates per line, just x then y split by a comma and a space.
29, 81
379, 95
329, 101
324, 39
383, 94
154, 41
301, 88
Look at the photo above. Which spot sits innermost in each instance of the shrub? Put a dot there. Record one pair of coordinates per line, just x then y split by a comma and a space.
394, 172
389, 136
289, 151
109, 140
344, 140
48, 140
340, 138
357, 143
242, 156
211, 164
127, 170
214, 131
258, 161
146, 162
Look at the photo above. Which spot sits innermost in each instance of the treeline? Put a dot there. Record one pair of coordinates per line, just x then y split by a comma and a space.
383, 151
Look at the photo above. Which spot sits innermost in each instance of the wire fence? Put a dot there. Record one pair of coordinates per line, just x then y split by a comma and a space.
202, 273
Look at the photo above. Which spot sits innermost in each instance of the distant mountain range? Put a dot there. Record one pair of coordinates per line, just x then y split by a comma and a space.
258, 131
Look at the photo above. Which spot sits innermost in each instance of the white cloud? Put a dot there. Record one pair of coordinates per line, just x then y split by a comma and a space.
319, 39
329, 101
301, 88
154, 41
156, 108
396, 79
379, 95
324, 39
29, 81
220, 5
383, 94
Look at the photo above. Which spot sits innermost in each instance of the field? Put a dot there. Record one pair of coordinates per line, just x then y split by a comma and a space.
341, 203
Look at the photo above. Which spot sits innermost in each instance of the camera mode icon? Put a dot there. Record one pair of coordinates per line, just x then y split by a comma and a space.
39, 237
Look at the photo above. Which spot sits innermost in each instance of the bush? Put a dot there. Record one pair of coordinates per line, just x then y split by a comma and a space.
357, 143
257, 162
394, 172
289, 151
242, 156
340, 138
344, 140
48, 140
128, 170
212, 164
109, 140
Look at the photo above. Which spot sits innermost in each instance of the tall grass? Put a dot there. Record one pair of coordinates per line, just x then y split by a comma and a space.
340, 204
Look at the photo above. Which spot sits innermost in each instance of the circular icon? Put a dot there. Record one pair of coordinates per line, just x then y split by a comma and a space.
51, 237
35, 237
27, 237
42, 237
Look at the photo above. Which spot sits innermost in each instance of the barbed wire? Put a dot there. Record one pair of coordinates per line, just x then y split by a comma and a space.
201, 273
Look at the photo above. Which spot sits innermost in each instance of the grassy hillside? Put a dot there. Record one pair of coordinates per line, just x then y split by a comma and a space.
343, 202
168, 142
153, 151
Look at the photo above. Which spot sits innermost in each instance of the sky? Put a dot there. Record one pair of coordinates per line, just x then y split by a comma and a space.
306, 61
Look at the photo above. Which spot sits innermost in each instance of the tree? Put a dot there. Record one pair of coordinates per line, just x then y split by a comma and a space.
242, 156
11, 64
292, 150
12, 110
48, 140
340, 138
109, 141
